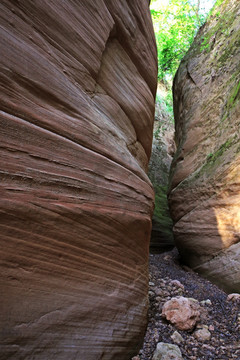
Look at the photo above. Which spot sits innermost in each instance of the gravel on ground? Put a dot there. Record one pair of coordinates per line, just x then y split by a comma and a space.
220, 316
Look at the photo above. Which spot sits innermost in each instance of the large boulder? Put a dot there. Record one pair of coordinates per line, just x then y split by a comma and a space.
205, 175
183, 312
78, 82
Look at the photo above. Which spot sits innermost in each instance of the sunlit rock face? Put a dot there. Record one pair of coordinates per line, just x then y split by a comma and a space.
205, 180
78, 83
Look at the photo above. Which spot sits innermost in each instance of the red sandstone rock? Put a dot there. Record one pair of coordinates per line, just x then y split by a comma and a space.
78, 84
205, 180
182, 312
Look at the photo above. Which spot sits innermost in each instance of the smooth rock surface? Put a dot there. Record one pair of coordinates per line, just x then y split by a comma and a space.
205, 175
78, 82
182, 312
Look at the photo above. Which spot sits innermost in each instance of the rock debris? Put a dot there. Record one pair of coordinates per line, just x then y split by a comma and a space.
216, 334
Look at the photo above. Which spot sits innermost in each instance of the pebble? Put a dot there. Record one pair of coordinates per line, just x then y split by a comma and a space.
160, 292
211, 328
203, 334
165, 351
177, 284
176, 337
206, 302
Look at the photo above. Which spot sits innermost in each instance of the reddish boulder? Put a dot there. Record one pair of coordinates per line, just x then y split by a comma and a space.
183, 312
78, 83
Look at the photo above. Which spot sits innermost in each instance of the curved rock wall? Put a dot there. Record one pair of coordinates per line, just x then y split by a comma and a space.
78, 82
205, 179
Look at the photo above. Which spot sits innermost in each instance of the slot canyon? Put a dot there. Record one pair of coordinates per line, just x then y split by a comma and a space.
78, 86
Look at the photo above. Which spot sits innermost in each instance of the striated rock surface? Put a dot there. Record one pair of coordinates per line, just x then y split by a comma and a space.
77, 84
159, 165
205, 175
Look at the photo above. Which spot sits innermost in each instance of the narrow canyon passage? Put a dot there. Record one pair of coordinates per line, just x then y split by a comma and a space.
204, 182
78, 84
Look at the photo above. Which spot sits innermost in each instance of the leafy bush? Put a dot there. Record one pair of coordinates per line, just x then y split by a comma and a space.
175, 25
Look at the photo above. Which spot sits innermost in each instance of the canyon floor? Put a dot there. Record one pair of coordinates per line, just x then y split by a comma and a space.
220, 315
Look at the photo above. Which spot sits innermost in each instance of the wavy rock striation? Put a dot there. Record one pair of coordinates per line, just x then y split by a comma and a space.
205, 179
78, 82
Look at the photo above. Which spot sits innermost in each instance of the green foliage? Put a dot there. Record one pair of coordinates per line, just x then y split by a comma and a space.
175, 26
166, 102
235, 95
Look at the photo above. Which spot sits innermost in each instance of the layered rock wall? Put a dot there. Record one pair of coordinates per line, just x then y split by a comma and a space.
205, 175
163, 149
78, 83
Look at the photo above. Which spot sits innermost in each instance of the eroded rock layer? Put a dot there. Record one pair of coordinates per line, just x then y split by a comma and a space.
205, 184
77, 84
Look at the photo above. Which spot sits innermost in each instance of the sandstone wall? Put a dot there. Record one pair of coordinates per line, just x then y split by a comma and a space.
78, 82
205, 180
163, 149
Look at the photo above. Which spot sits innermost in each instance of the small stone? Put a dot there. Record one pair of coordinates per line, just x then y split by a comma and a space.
136, 358
176, 337
159, 292
203, 334
182, 312
233, 297
151, 293
151, 283
166, 351
208, 347
206, 302
177, 284
211, 328
201, 326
